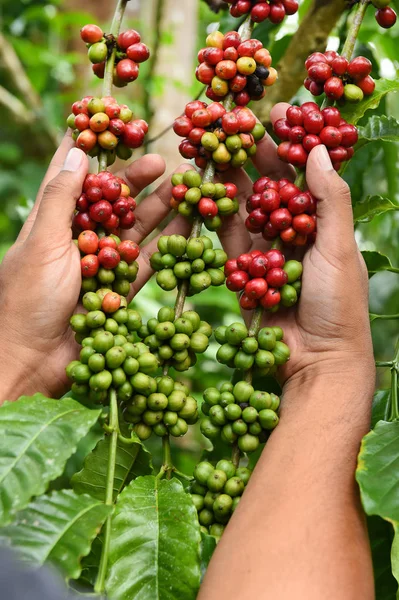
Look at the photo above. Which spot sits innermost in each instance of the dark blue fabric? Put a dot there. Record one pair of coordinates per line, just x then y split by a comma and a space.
18, 582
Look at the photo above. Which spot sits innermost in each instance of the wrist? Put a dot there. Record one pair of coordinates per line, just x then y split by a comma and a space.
332, 385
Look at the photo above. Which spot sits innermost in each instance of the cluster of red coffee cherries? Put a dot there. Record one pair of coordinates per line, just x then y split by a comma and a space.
385, 15
106, 252
337, 77
229, 65
274, 10
105, 201
130, 53
281, 209
102, 123
228, 138
307, 126
260, 277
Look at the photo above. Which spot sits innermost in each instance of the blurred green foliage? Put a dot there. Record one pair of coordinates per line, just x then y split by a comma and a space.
45, 37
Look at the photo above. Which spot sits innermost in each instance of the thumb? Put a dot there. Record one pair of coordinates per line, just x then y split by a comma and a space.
60, 194
335, 229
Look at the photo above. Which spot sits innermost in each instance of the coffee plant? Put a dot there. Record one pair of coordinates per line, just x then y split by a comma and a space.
124, 528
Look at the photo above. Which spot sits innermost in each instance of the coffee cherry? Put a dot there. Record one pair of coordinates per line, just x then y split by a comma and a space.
386, 17
91, 34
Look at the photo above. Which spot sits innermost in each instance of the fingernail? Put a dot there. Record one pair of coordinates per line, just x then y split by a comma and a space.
73, 160
323, 158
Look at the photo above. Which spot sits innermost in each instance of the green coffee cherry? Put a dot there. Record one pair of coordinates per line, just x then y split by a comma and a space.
248, 443
226, 398
268, 419
216, 480
228, 435
281, 353
217, 415
208, 429
191, 179
226, 466
244, 474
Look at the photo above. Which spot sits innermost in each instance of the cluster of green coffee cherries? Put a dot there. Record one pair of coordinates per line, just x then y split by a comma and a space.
176, 341
193, 260
191, 196
216, 492
266, 351
239, 413
110, 353
161, 406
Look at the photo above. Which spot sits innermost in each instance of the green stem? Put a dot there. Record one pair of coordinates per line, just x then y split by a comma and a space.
167, 464
394, 386
383, 363
300, 179
349, 46
235, 455
109, 68
252, 332
109, 492
386, 317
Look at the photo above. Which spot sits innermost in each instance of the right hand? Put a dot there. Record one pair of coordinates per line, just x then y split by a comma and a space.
329, 330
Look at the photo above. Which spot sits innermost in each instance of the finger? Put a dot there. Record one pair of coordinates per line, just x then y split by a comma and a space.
234, 236
335, 229
179, 225
53, 170
56, 209
266, 160
153, 210
143, 172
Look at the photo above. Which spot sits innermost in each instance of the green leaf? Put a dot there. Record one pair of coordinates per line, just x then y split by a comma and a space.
58, 528
380, 128
208, 546
155, 543
132, 460
378, 471
380, 534
375, 262
381, 405
378, 477
370, 207
38, 437
353, 112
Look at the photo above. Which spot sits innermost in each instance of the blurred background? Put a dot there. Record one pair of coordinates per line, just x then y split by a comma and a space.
44, 68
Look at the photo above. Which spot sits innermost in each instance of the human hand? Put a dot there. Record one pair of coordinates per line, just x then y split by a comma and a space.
40, 276
328, 331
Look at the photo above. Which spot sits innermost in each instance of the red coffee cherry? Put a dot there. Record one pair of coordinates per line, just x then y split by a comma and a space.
276, 278
91, 34
270, 299
89, 265
259, 266
386, 17
230, 267
94, 194
109, 258
256, 288
128, 38
107, 242
128, 251
237, 280
111, 302
88, 242
275, 259
82, 221
100, 211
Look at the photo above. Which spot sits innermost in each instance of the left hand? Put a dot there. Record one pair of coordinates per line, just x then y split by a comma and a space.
40, 276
